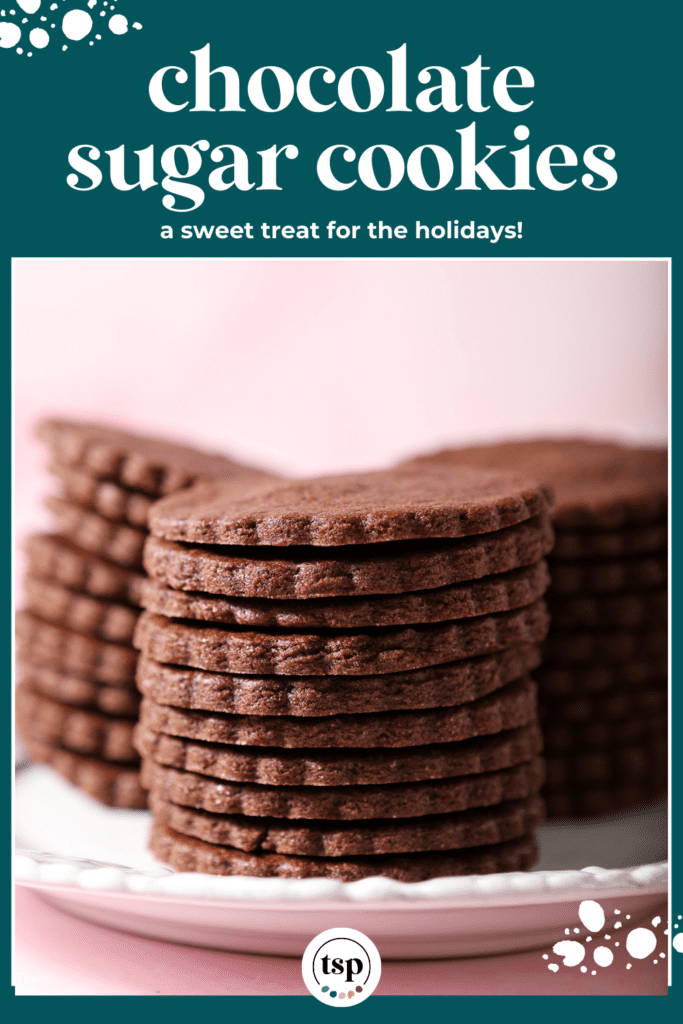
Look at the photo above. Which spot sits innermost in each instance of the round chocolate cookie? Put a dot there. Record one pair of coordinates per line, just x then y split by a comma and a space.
71, 689
304, 573
343, 767
639, 540
327, 652
576, 680
81, 612
459, 831
608, 577
458, 601
634, 610
143, 463
566, 737
613, 706
361, 508
618, 645
85, 732
111, 784
116, 541
481, 717
346, 803
64, 650
105, 497
615, 766
598, 485
457, 682
186, 854
55, 558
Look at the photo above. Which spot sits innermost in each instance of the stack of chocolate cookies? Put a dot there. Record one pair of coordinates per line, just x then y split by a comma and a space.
76, 700
336, 675
603, 684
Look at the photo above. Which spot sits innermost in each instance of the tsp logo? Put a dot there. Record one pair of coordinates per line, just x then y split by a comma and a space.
341, 967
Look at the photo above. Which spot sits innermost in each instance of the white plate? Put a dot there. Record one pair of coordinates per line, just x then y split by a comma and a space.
93, 862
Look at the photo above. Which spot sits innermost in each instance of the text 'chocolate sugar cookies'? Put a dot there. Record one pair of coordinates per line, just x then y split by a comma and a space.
77, 704
603, 685
335, 674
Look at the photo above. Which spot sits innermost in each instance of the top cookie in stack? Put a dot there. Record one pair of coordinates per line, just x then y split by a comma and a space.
603, 684
76, 702
336, 674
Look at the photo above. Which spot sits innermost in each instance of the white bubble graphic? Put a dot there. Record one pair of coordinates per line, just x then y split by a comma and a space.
640, 943
554, 968
30, 6
10, 34
678, 942
592, 915
76, 24
573, 952
118, 24
656, 921
39, 38
603, 956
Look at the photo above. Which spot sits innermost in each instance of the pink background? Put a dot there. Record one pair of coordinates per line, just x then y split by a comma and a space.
312, 367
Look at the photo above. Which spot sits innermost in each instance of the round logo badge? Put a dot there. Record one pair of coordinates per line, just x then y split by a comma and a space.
341, 967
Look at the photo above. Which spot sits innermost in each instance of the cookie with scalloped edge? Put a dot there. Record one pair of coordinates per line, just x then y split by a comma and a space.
85, 732
487, 715
460, 830
358, 570
186, 854
106, 619
456, 682
349, 767
111, 784
599, 485
335, 652
64, 650
344, 803
149, 464
498, 593
55, 558
68, 688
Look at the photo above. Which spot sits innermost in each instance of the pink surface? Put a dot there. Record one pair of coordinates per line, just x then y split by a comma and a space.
57, 954
314, 367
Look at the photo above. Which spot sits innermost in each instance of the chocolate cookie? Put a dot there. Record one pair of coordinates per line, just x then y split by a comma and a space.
608, 577
458, 601
456, 682
361, 508
564, 738
342, 767
115, 541
459, 831
616, 766
85, 732
113, 785
55, 558
634, 610
186, 854
146, 464
347, 803
71, 689
624, 645
105, 497
392, 568
640, 540
498, 711
85, 614
557, 681
326, 652
63, 650
598, 485
613, 706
